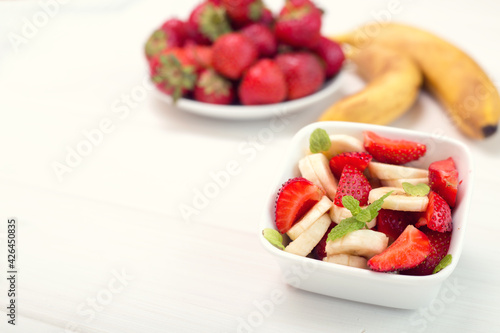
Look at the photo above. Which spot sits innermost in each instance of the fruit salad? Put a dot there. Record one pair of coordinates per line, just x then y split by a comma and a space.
357, 203
239, 52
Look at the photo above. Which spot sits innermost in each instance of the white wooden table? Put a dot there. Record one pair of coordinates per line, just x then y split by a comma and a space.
104, 247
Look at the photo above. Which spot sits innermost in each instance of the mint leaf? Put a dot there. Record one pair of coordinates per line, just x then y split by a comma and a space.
375, 206
319, 141
274, 237
352, 204
443, 263
364, 216
419, 190
345, 226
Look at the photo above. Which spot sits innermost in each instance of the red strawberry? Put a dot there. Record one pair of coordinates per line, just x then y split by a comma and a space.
332, 55
213, 88
299, 24
174, 72
352, 182
437, 215
233, 53
440, 243
408, 251
178, 27
393, 222
392, 151
243, 12
303, 72
208, 21
267, 17
319, 251
263, 38
160, 40
294, 199
263, 83
443, 179
358, 159
200, 55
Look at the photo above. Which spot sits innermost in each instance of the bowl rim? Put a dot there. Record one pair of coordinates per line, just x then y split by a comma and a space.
457, 240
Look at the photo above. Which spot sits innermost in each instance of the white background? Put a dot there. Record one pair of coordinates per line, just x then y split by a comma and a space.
117, 213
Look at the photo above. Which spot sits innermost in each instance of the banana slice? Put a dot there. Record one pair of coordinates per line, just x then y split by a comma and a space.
390, 171
337, 214
342, 143
399, 182
364, 243
316, 168
320, 208
347, 260
304, 244
399, 199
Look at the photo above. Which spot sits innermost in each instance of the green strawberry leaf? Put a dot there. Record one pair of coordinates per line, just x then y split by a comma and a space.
419, 190
345, 226
443, 263
274, 237
319, 141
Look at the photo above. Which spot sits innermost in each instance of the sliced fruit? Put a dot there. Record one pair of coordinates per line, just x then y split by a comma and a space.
307, 171
342, 143
399, 182
359, 160
354, 183
364, 243
443, 179
392, 151
337, 214
394, 222
319, 251
440, 244
399, 199
294, 199
438, 214
311, 216
408, 251
347, 260
304, 244
315, 168
390, 171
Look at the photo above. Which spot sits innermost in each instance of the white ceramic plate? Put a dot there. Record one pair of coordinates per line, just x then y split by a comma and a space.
255, 112
392, 290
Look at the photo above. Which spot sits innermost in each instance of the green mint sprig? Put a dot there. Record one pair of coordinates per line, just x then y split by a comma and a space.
274, 237
443, 263
419, 190
319, 141
360, 217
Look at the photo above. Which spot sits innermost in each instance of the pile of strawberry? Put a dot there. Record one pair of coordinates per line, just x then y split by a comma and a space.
238, 52
418, 240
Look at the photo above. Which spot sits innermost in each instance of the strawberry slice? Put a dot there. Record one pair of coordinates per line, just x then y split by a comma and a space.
392, 151
352, 182
437, 215
393, 222
358, 159
443, 179
408, 251
440, 243
319, 251
294, 199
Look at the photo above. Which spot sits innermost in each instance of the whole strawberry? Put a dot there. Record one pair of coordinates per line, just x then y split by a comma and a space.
208, 21
233, 53
263, 38
303, 72
352, 182
161, 40
178, 27
173, 72
243, 12
299, 24
213, 88
200, 55
332, 55
263, 83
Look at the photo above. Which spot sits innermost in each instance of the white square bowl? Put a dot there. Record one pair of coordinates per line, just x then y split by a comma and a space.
386, 289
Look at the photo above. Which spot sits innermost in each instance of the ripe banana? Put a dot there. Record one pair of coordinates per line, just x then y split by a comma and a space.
457, 81
394, 82
304, 244
320, 208
316, 168
391, 171
364, 243
337, 214
342, 143
399, 199
347, 260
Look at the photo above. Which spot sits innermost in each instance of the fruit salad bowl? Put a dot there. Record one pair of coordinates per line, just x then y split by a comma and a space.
364, 285
242, 112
